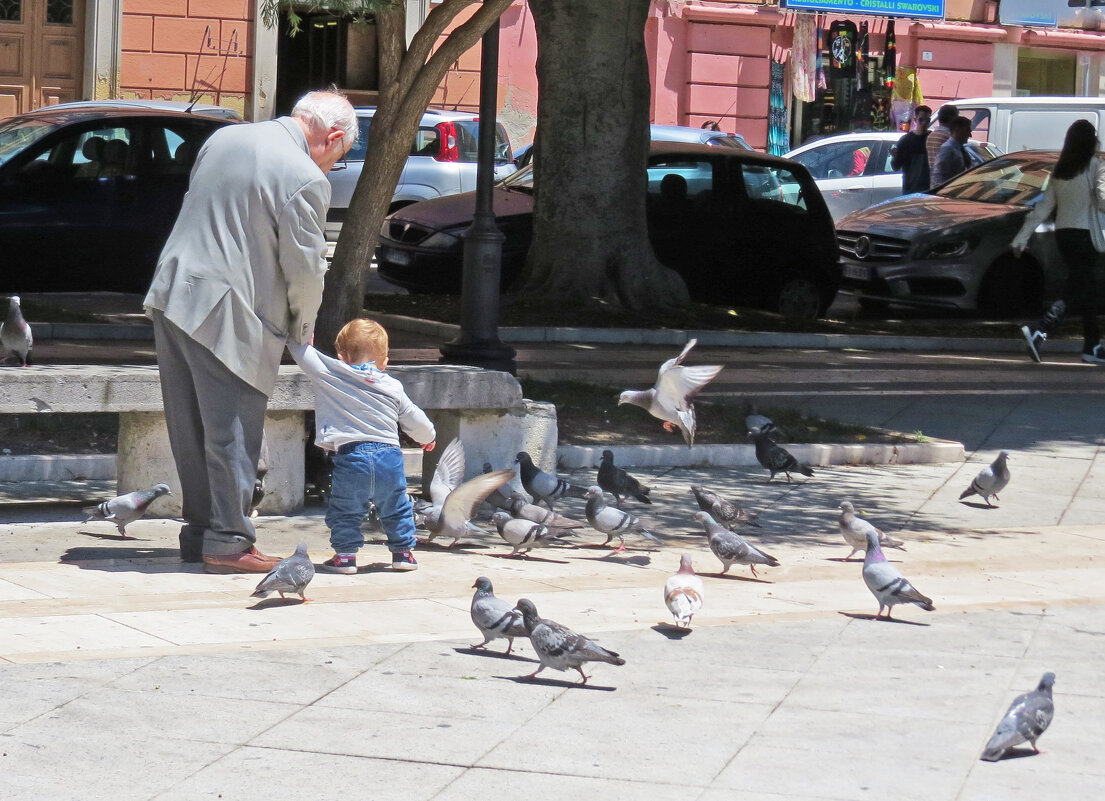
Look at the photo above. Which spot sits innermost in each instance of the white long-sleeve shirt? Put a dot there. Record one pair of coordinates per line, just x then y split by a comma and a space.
359, 404
1070, 201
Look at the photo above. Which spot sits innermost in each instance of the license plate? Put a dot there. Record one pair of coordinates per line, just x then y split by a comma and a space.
400, 257
859, 272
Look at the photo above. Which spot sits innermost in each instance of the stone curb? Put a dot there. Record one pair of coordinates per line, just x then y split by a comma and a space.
58, 467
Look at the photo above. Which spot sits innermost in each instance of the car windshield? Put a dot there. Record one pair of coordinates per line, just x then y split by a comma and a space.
16, 135
522, 180
1010, 180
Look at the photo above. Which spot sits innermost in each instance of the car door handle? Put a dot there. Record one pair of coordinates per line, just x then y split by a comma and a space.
859, 188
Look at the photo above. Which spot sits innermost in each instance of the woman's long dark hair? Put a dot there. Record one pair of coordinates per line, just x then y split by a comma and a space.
1079, 147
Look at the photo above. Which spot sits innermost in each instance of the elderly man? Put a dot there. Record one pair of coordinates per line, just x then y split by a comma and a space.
241, 274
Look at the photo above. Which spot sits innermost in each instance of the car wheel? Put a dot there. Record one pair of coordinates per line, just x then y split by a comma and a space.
799, 298
1012, 287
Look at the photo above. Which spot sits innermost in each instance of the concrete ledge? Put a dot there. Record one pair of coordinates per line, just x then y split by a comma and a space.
58, 467
92, 331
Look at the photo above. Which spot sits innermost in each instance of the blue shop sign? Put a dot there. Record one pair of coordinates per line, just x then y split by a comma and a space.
919, 9
1084, 14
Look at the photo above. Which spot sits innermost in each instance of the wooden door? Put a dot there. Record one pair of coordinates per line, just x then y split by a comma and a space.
41, 53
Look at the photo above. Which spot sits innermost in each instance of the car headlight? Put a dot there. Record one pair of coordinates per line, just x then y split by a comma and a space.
947, 248
440, 241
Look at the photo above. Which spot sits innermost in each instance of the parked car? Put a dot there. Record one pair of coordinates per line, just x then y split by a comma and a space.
206, 109
665, 133
442, 161
89, 194
853, 170
717, 215
950, 248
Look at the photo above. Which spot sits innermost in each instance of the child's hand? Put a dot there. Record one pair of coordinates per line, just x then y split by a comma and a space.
429, 446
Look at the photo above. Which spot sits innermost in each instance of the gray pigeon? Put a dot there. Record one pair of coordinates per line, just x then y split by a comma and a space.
494, 617
990, 480
497, 498
15, 334
612, 521
725, 512
731, 548
670, 397
290, 575
684, 593
524, 510
855, 528
1026, 719
558, 646
758, 422
453, 502
617, 482
542, 486
885, 582
524, 535
774, 458
125, 509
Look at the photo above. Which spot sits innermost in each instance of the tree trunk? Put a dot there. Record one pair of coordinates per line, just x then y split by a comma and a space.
590, 231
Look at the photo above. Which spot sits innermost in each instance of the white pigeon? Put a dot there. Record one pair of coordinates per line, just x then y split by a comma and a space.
125, 509
453, 502
670, 398
612, 521
15, 334
990, 480
684, 593
731, 548
1026, 719
524, 535
494, 617
855, 528
885, 582
559, 647
292, 574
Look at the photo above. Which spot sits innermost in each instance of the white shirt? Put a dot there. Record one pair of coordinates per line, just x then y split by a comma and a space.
1070, 200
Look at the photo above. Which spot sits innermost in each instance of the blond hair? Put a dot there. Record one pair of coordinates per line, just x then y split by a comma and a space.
362, 340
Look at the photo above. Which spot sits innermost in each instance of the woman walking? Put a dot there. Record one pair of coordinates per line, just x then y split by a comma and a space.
1075, 194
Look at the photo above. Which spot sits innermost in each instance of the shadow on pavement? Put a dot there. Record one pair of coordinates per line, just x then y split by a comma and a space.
493, 654
858, 616
557, 683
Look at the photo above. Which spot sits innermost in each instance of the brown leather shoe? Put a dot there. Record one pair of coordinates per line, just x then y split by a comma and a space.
251, 561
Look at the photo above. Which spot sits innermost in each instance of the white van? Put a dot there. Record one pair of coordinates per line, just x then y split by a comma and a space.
1029, 123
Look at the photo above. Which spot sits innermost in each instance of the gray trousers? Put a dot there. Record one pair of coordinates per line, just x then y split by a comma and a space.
216, 422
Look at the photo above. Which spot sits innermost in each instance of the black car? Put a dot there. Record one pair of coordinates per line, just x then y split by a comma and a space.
88, 195
739, 227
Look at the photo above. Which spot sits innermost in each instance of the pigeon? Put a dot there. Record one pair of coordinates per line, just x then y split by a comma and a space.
15, 334
990, 480
494, 617
558, 646
774, 458
542, 486
453, 502
524, 535
524, 510
290, 575
125, 509
728, 514
885, 582
670, 397
618, 482
731, 548
684, 593
758, 422
497, 498
612, 521
1026, 719
855, 528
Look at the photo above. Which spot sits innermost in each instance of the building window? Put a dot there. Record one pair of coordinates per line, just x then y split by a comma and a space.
1046, 73
59, 12
11, 10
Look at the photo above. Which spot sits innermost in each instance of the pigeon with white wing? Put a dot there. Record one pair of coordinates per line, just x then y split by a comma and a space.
886, 583
990, 480
613, 522
1026, 719
559, 647
494, 617
290, 575
497, 498
544, 488
855, 528
15, 334
454, 502
125, 509
731, 548
684, 593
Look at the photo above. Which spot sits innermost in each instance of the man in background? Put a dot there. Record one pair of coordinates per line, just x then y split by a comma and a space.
940, 133
910, 155
952, 158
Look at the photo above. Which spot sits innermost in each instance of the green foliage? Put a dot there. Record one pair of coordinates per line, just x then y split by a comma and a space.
359, 9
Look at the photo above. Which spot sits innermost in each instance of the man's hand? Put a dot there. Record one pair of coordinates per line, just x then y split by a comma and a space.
429, 446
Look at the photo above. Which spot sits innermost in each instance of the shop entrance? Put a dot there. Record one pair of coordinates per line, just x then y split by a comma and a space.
328, 49
1043, 73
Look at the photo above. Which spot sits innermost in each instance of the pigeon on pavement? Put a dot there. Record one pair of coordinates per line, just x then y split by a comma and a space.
855, 528
684, 593
542, 486
774, 458
125, 509
290, 575
728, 514
670, 397
15, 334
524, 510
1026, 719
885, 582
731, 548
525, 535
617, 482
990, 480
558, 646
454, 502
612, 521
497, 498
494, 617
758, 422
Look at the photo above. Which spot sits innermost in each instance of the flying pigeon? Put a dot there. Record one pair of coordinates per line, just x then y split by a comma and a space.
774, 458
731, 548
524, 510
855, 528
728, 514
558, 646
885, 582
453, 502
524, 535
670, 397
1026, 719
990, 480
497, 498
612, 521
684, 593
542, 486
494, 617
290, 575
15, 334
125, 509
617, 482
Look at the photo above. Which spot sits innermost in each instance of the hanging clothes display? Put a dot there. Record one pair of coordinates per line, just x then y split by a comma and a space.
906, 97
890, 57
778, 141
803, 58
842, 49
821, 82
863, 56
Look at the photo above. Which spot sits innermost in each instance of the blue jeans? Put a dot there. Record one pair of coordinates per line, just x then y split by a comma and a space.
364, 473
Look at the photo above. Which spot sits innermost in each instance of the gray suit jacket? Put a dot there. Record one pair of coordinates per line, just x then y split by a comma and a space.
242, 271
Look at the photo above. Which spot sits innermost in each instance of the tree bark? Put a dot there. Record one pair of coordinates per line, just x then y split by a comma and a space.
590, 230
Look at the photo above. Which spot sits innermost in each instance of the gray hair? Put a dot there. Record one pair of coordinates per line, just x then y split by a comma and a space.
328, 109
